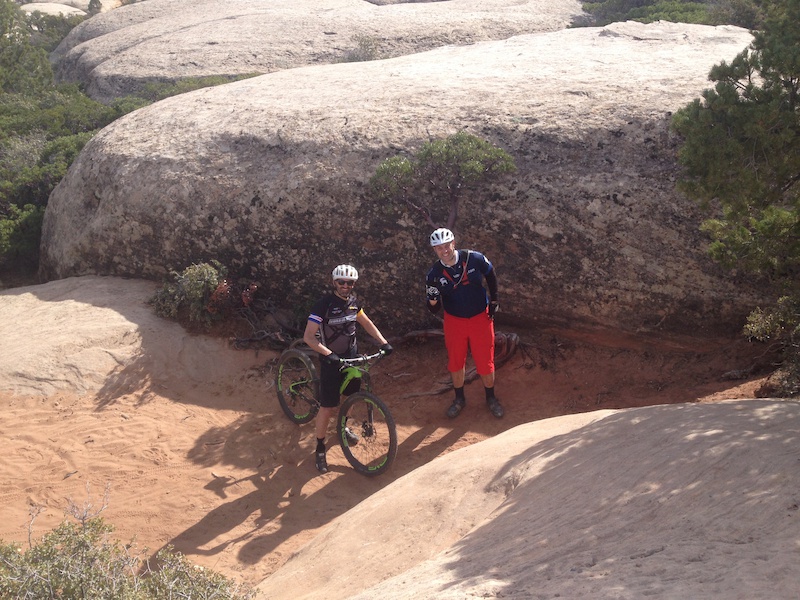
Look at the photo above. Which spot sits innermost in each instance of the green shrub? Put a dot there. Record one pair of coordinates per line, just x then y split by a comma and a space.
82, 561
58, 110
23, 68
673, 11
43, 126
158, 90
188, 295
176, 577
433, 182
19, 152
33, 185
122, 106
780, 324
366, 49
20, 232
744, 13
40, 136
47, 31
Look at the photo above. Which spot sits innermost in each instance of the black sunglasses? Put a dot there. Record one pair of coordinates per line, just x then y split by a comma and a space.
345, 282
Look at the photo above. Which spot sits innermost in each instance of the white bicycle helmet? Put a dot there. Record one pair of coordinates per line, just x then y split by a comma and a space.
441, 236
346, 272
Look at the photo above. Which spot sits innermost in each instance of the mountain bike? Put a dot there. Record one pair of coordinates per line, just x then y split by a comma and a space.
365, 428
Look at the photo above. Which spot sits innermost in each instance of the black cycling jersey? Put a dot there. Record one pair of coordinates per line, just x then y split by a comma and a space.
337, 323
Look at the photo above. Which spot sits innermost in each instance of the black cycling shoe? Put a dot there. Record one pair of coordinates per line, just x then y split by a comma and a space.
322, 462
455, 409
495, 408
352, 438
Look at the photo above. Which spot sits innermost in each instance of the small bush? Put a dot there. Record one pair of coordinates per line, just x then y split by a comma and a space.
366, 49
780, 324
435, 180
176, 577
189, 294
82, 561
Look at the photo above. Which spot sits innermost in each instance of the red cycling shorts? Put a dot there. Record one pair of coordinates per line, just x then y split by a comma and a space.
475, 334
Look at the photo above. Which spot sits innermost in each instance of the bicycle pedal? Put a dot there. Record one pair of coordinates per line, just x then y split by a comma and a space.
352, 438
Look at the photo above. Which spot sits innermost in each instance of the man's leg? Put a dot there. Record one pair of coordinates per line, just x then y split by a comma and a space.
491, 400
458, 378
455, 339
458, 387
321, 430
324, 417
482, 343
330, 379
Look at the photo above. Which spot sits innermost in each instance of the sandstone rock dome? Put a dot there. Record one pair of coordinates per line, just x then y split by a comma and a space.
269, 175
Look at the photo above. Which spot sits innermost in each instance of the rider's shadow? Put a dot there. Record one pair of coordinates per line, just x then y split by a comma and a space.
304, 513
270, 501
263, 506
278, 507
199, 538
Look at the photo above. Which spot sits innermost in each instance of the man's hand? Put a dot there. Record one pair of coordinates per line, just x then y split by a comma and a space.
331, 359
494, 306
386, 349
432, 292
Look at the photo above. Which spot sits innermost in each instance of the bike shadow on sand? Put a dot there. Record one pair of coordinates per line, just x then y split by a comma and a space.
286, 496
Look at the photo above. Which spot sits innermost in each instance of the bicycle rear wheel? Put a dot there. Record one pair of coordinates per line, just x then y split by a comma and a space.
297, 385
368, 418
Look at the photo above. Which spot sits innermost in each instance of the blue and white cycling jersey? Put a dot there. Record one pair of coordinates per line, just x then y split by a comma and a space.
462, 291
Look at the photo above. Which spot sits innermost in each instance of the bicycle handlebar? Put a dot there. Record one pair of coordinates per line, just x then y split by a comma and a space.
362, 359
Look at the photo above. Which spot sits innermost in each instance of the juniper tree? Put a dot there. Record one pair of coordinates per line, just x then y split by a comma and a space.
741, 155
434, 181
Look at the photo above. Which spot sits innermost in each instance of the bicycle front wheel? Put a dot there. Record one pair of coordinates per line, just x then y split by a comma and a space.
367, 433
297, 385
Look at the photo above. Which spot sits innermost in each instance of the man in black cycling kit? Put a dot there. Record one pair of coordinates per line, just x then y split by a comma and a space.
331, 331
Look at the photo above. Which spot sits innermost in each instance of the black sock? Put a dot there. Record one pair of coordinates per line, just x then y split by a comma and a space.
320, 445
460, 394
489, 393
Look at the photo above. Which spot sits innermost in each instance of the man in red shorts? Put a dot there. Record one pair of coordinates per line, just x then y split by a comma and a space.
455, 282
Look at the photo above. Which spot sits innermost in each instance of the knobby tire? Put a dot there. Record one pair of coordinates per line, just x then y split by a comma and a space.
297, 385
369, 418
